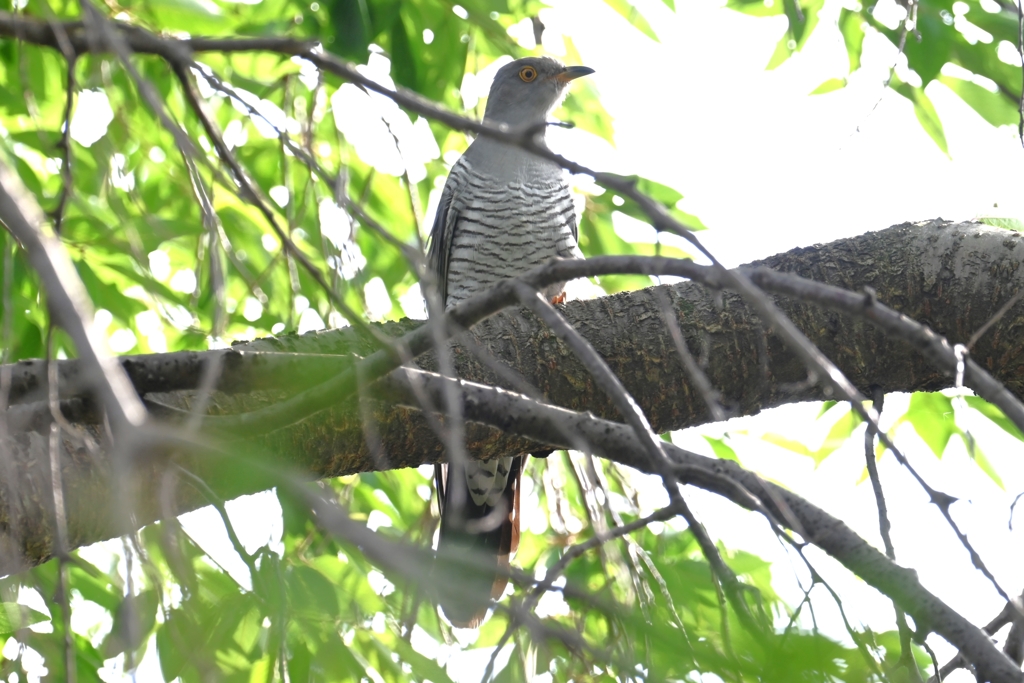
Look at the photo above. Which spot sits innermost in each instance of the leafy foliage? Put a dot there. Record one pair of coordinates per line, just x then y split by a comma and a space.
965, 45
166, 277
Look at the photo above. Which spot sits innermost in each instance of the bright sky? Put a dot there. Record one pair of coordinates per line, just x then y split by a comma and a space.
765, 165
768, 168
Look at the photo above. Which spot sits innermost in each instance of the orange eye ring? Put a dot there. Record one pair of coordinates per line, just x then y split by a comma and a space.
527, 73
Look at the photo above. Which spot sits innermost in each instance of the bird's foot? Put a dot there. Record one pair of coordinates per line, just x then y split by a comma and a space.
560, 299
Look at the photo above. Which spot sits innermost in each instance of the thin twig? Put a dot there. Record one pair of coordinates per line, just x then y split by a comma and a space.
218, 504
619, 442
67, 299
63, 596
211, 223
555, 571
884, 527
706, 390
67, 178
606, 380
996, 317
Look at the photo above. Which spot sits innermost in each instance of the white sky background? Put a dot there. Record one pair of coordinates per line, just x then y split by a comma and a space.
763, 164
768, 167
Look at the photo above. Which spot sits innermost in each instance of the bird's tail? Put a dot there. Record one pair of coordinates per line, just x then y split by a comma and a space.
475, 543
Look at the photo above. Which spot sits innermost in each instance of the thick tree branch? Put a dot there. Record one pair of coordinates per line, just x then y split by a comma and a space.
953, 277
77, 37
245, 370
909, 265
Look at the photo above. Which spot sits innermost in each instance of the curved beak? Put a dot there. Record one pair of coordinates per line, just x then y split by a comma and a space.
573, 72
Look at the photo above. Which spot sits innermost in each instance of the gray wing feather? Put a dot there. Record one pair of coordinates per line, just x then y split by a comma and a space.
575, 228
439, 251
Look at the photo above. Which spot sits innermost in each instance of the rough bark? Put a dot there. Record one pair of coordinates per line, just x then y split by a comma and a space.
952, 277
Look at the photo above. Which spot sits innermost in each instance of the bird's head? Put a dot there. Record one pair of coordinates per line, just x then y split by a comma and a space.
526, 90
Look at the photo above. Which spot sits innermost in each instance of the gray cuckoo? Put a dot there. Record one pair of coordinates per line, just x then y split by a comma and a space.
503, 211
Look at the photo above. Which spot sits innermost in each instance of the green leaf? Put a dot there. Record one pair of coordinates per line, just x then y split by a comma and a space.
45, 141
668, 197
992, 106
133, 622
28, 176
995, 414
631, 14
422, 667
352, 29
787, 443
1015, 224
172, 640
262, 670
94, 587
597, 237
14, 617
200, 16
757, 8
829, 86
310, 590
981, 460
250, 627
931, 415
984, 60
803, 18
513, 672
583, 107
838, 435
929, 120
784, 49
927, 55
11, 103
108, 295
1002, 24
403, 62
148, 283
851, 24
924, 110
722, 450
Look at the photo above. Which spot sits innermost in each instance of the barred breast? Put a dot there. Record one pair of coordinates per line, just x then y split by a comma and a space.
506, 226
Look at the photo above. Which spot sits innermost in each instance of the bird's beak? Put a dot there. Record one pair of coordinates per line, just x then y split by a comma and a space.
573, 72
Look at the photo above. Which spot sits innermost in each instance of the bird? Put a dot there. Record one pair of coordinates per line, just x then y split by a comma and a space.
502, 212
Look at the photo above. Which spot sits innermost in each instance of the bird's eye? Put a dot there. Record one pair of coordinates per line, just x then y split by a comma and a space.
527, 73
